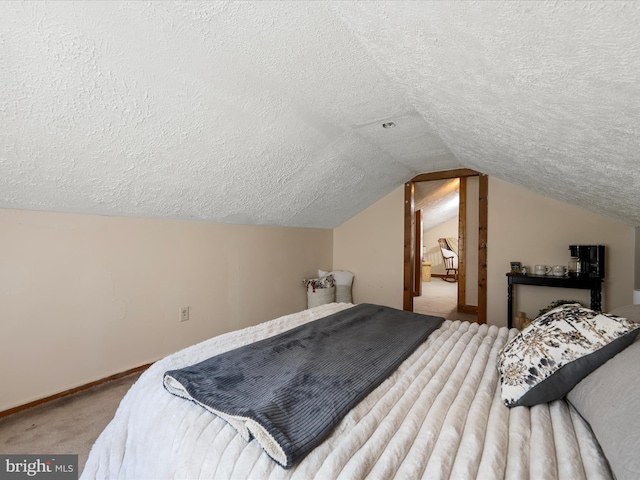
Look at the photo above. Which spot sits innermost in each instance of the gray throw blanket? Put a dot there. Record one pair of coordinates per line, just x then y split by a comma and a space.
290, 390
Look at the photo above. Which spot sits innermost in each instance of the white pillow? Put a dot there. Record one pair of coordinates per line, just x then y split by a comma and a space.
449, 253
344, 283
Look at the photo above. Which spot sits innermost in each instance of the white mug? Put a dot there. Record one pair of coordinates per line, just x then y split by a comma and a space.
559, 270
542, 270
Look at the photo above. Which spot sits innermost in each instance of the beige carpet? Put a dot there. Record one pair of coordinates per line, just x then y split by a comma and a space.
68, 425
440, 298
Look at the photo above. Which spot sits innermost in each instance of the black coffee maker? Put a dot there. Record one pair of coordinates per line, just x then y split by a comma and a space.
587, 261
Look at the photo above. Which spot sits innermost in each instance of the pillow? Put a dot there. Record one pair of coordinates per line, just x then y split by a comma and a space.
448, 254
630, 312
344, 282
609, 400
557, 350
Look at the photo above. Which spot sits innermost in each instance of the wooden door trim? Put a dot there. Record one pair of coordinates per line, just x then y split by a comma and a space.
417, 254
483, 212
445, 175
462, 246
409, 207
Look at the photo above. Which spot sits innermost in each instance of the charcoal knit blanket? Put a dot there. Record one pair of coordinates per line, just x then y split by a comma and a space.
290, 390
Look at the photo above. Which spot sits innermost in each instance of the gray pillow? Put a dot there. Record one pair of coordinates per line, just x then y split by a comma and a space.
630, 312
557, 350
609, 399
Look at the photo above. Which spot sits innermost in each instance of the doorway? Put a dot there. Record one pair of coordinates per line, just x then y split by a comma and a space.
437, 221
471, 243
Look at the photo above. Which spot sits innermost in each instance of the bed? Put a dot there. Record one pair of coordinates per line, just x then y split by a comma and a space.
440, 414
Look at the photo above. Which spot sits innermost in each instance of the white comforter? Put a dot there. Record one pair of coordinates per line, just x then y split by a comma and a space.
438, 416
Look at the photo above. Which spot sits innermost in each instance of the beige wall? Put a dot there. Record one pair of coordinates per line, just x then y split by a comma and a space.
83, 297
431, 247
523, 226
371, 246
534, 229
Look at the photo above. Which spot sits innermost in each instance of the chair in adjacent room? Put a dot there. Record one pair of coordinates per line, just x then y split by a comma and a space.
450, 259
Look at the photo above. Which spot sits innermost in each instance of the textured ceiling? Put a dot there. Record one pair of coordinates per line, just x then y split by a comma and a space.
439, 201
271, 112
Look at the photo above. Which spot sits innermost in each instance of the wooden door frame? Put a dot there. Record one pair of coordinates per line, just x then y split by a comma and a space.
409, 246
417, 254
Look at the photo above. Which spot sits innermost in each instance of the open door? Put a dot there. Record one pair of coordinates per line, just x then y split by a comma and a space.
417, 256
478, 238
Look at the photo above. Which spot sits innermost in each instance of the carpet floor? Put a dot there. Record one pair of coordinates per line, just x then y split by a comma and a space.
67, 425
440, 298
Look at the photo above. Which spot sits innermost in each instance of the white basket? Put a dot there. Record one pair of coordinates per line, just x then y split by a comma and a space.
321, 296
343, 294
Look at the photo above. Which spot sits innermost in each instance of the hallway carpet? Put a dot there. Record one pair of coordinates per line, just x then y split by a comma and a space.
439, 298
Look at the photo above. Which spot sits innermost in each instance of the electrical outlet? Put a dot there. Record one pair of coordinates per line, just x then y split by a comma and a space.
184, 314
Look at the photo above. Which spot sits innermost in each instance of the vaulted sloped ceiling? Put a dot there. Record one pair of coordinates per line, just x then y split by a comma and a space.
272, 112
439, 201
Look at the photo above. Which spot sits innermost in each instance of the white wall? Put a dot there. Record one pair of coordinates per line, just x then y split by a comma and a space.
523, 226
83, 297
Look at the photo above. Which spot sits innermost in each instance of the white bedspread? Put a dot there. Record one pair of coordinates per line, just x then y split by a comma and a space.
438, 416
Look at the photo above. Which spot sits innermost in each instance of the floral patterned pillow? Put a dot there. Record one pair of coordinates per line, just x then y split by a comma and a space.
557, 350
